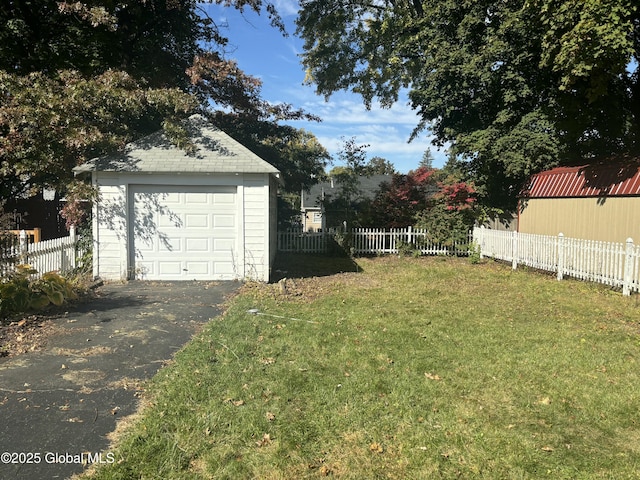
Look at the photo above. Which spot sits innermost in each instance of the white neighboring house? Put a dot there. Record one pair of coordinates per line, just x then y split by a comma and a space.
164, 214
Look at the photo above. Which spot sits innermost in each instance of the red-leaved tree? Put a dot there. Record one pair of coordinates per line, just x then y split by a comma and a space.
457, 196
397, 203
443, 206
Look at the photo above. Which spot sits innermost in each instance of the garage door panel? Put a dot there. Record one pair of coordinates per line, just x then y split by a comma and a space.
223, 199
224, 221
224, 268
223, 246
145, 268
197, 245
201, 198
169, 198
146, 246
169, 268
197, 220
183, 233
170, 220
170, 244
198, 268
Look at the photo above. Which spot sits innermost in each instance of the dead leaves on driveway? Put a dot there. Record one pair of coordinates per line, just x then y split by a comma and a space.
26, 335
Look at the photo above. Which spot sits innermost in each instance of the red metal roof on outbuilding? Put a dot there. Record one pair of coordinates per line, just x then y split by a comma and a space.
603, 179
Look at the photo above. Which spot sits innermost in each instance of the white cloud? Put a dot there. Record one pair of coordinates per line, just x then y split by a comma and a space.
287, 7
385, 130
385, 141
343, 110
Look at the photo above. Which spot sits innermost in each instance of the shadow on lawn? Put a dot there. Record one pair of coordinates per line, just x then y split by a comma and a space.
304, 265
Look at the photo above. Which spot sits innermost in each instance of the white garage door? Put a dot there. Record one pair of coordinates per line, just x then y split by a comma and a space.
184, 233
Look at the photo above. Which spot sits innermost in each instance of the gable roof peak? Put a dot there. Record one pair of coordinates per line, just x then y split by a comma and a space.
214, 152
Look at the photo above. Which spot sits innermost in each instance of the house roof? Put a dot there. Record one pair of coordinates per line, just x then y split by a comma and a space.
596, 180
216, 152
368, 187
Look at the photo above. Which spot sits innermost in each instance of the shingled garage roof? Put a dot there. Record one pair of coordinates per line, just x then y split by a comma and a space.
600, 180
215, 152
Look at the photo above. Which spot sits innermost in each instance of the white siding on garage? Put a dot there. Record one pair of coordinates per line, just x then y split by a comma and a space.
176, 227
256, 223
110, 230
273, 221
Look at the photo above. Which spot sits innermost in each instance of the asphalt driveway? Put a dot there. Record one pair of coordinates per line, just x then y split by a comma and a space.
58, 405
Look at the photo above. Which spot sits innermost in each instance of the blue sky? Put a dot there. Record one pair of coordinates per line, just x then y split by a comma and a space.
263, 52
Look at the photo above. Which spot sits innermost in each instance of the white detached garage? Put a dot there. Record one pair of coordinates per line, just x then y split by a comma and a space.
165, 214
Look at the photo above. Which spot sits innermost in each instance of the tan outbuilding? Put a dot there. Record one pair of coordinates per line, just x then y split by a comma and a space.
596, 202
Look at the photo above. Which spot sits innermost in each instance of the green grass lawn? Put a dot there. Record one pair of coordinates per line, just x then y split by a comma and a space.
410, 369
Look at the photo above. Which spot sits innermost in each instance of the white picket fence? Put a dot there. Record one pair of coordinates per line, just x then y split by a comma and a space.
58, 254
297, 240
368, 241
610, 263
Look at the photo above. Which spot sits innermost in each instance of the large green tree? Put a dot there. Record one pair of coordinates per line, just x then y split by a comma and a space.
513, 87
81, 78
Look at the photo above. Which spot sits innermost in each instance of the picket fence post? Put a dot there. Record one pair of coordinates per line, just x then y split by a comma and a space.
72, 234
24, 247
628, 268
481, 242
514, 250
561, 255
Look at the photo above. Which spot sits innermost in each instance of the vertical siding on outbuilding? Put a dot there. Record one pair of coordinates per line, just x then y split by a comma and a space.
273, 220
594, 202
612, 220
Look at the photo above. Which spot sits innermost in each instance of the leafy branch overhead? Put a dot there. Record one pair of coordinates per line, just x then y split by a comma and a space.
514, 87
81, 79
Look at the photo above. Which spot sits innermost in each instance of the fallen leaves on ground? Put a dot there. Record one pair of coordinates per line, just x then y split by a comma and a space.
26, 335
375, 447
265, 440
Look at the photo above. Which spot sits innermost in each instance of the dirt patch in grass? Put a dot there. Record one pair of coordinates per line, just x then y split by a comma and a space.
300, 265
308, 288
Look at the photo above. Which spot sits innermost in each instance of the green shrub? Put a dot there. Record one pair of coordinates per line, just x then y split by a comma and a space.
20, 292
344, 242
446, 227
474, 253
407, 249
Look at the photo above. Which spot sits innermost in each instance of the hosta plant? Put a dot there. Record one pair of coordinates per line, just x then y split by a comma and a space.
21, 291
